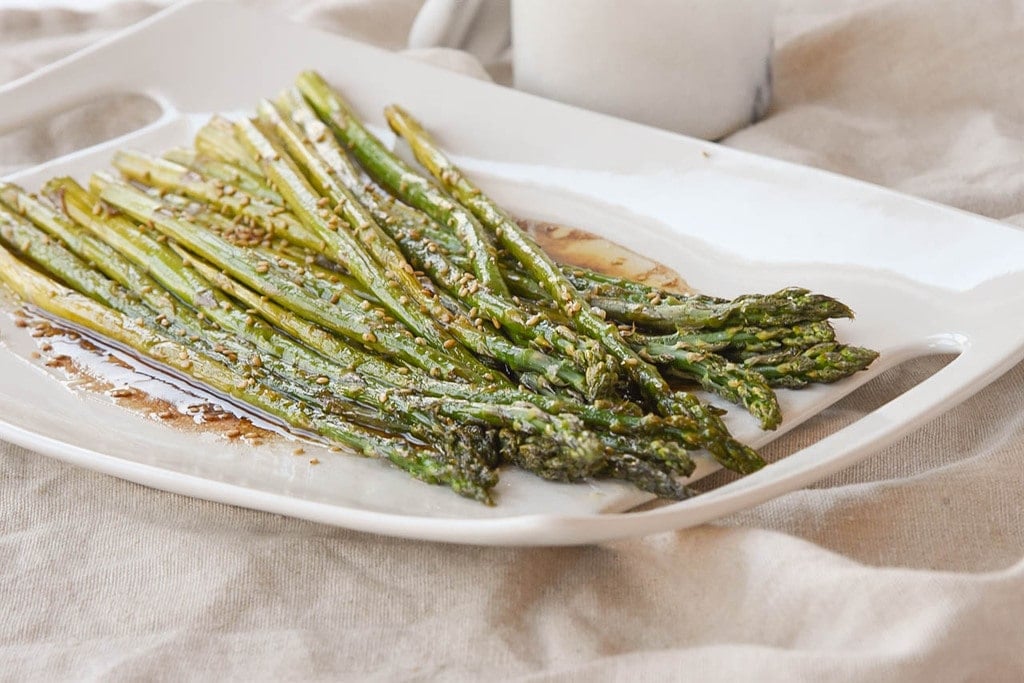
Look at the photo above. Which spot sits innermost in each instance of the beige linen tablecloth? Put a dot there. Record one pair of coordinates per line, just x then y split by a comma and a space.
909, 566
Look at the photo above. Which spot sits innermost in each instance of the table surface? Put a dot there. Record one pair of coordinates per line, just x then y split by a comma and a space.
907, 566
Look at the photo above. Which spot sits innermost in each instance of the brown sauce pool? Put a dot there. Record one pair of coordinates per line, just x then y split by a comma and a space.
88, 364
578, 247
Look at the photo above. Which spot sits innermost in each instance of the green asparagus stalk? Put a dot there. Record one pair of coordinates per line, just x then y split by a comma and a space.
346, 248
336, 179
651, 439
230, 175
574, 452
822, 363
169, 176
544, 270
786, 307
390, 277
729, 339
324, 383
52, 256
142, 168
217, 139
730, 381
20, 236
59, 301
392, 171
342, 315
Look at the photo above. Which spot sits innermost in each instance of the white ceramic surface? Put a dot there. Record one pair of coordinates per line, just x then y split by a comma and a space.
698, 67
923, 278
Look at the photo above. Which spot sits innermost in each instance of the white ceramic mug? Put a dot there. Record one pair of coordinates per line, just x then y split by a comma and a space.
698, 67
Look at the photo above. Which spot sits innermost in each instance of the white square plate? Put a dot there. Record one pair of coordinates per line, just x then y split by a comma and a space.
922, 278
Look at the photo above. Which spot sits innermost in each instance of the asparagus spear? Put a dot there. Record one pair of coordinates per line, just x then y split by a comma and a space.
57, 300
821, 363
416, 301
733, 382
217, 139
389, 277
785, 307
343, 315
56, 259
624, 300
544, 270
392, 171
729, 339
140, 167
230, 175
577, 455
21, 236
167, 175
336, 179
88, 248
574, 453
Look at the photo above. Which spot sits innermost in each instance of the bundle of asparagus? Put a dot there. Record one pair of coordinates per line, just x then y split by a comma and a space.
294, 263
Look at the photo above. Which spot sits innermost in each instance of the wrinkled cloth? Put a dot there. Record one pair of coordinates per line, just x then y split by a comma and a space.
906, 567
